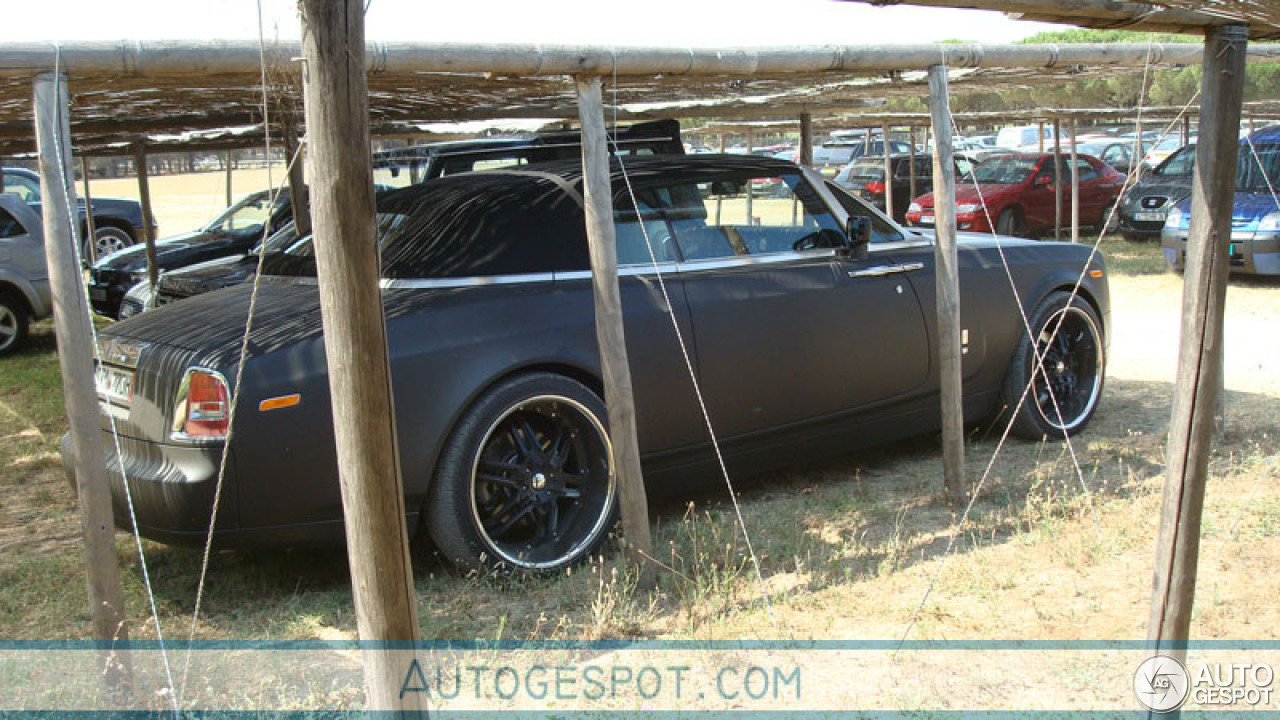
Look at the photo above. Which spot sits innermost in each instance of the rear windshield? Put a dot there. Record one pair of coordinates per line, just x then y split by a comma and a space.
868, 169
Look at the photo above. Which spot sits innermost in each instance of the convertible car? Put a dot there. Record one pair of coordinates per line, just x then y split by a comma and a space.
809, 318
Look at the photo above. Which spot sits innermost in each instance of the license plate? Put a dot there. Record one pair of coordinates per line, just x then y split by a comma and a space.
97, 293
926, 219
114, 384
1148, 216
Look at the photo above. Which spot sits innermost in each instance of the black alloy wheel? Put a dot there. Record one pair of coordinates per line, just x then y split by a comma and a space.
1065, 391
526, 481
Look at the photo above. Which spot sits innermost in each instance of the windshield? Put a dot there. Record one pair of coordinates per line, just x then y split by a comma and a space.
1259, 169
868, 169
1005, 170
248, 214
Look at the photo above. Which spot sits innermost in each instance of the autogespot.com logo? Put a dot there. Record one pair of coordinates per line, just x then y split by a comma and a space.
1161, 683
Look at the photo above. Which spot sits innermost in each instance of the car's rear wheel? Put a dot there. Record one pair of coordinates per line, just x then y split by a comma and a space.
13, 323
108, 239
526, 479
1062, 400
1010, 223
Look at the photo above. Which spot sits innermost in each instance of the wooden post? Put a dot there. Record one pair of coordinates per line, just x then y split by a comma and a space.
230, 165
297, 186
1186, 131
148, 221
597, 195
805, 158
336, 97
1075, 185
948, 288
90, 243
888, 170
1199, 354
1057, 177
911, 162
721, 142
750, 142
75, 358
1040, 136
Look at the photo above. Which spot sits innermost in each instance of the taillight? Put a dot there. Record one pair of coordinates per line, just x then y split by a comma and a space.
876, 188
203, 408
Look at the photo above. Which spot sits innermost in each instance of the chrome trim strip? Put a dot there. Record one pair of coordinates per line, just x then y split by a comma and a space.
478, 281
746, 260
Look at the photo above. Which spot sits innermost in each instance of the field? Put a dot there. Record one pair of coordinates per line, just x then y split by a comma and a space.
847, 548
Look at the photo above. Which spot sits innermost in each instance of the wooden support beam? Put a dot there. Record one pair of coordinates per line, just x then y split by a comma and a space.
148, 218
1040, 136
1075, 185
1057, 178
231, 156
90, 243
299, 203
888, 170
1186, 131
597, 196
911, 162
75, 358
948, 288
806, 140
336, 98
1199, 354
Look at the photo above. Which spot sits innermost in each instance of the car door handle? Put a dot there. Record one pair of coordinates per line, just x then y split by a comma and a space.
881, 270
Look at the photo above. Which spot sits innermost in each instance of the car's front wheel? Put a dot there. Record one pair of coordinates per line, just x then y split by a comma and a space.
1010, 223
526, 479
108, 239
13, 323
1068, 339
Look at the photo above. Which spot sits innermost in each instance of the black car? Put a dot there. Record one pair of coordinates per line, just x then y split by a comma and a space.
864, 177
233, 233
809, 335
117, 223
1145, 206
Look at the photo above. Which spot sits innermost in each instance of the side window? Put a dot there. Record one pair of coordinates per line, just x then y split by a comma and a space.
881, 230
1180, 164
1116, 155
640, 232
26, 189
1085, 170
9, 227
743, 214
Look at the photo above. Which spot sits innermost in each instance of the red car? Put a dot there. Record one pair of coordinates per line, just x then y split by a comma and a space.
1018, 191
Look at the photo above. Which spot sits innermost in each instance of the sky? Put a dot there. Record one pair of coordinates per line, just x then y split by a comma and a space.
651, 22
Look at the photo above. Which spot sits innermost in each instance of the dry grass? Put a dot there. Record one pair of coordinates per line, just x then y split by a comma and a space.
847, 547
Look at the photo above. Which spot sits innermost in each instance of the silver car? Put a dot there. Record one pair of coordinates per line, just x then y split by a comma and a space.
24, 280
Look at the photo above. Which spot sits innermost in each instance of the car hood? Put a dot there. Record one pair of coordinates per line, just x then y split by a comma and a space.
1171, 188
175, 252
1247, 210
210, 275
968, 194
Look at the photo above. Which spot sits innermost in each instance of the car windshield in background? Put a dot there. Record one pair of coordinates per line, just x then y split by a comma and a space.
1260, 170
1005, 170
1179, 164
248, 214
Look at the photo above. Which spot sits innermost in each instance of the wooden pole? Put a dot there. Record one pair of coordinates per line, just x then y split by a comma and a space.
144, 196
1057, 178
1199, 355
750, 142
888, 170
948, 288
1040, 136
75, 358
597, 198
90, 243
911, 162
297, 185
1075, 185
336, 98
805, 158
230, 165
1186, 131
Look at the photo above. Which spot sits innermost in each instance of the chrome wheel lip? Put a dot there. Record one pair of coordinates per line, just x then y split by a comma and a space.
601, 523
1050, 414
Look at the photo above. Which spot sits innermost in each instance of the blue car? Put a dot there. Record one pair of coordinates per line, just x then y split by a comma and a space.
1255, 216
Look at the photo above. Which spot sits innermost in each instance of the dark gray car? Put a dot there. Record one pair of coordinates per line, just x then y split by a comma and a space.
810, 333
1145, 206
24, 280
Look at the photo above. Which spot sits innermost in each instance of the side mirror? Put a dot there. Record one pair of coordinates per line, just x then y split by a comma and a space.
858, 236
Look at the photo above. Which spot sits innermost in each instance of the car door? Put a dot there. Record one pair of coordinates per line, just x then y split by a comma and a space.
783, 333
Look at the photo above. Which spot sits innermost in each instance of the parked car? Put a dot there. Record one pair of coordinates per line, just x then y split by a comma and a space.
1025, 137
411, 165
1254, 244
1116, 153
813, 326
1147, 202
1019, 194
24, 280
232, 233
1162, 149
117, 222
865, 178
830, 158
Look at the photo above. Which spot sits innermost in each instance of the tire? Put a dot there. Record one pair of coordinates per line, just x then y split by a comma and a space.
525, 481
108, 239
1010, 223
1110, 220
1074, 363
14, 323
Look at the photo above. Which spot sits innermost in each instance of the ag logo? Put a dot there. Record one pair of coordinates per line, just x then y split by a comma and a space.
1161, 683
